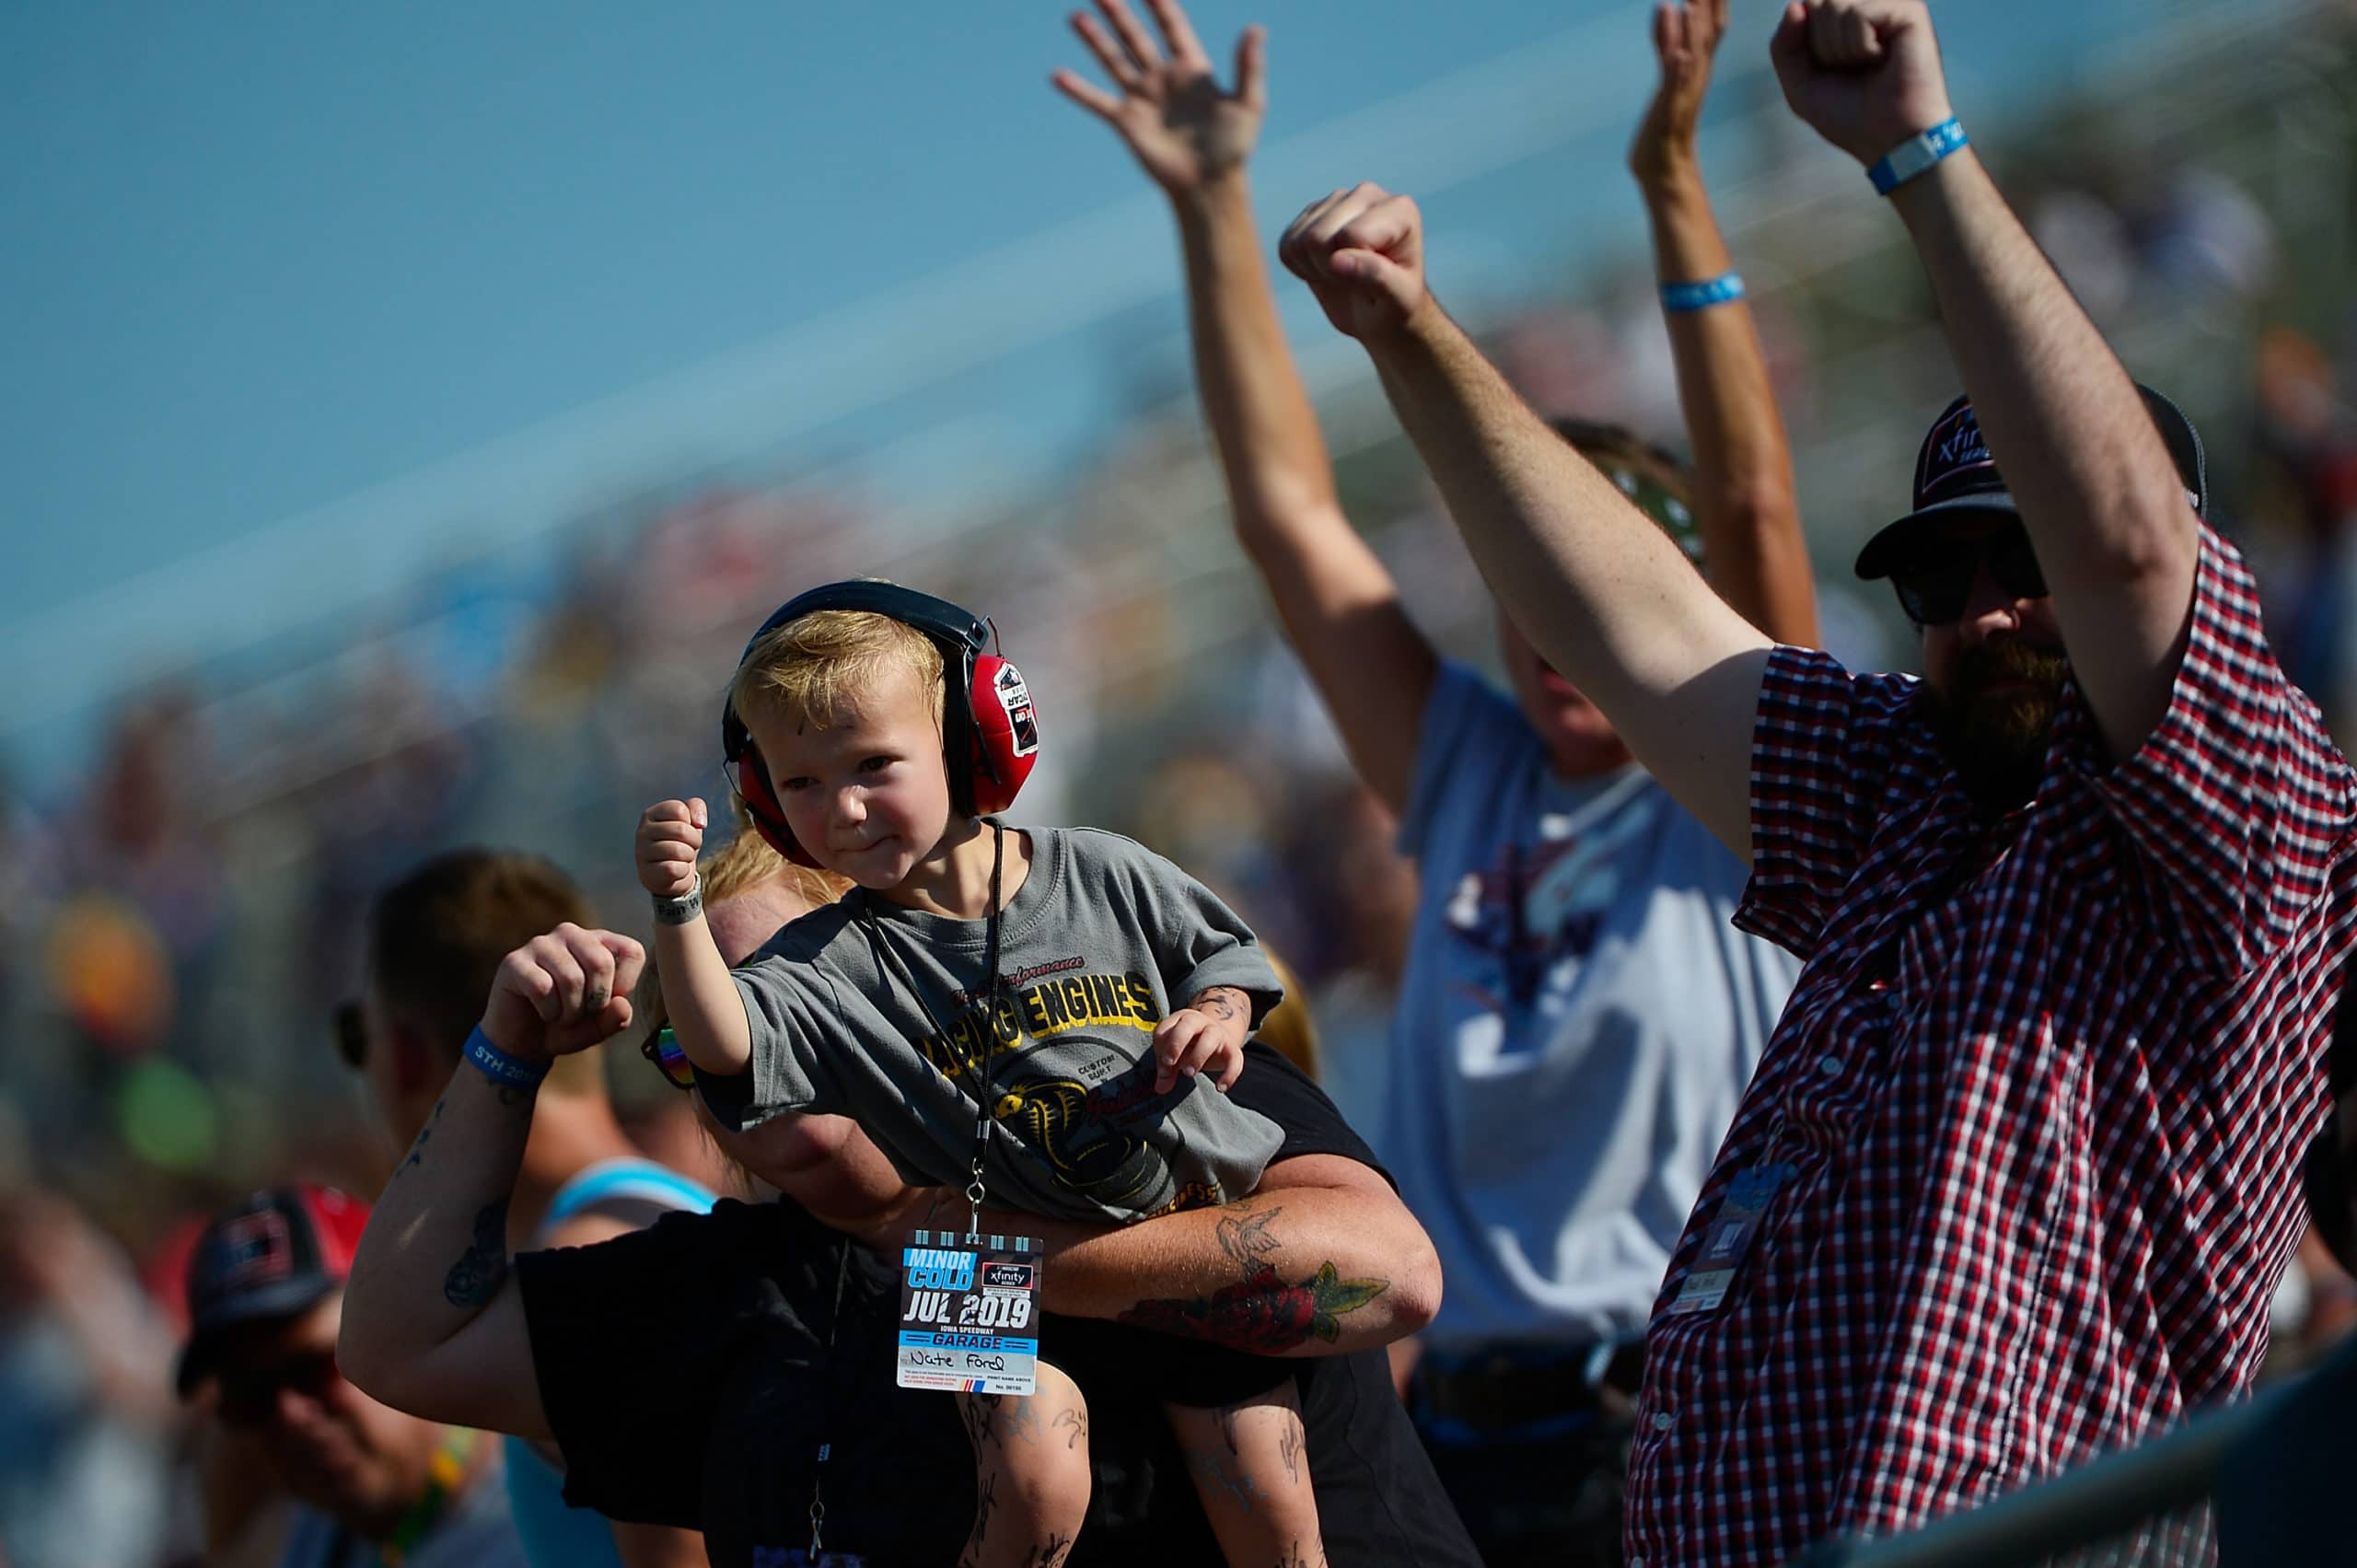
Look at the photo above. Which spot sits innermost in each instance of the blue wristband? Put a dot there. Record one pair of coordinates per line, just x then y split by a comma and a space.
1916, 154
499, 1067
1679, 298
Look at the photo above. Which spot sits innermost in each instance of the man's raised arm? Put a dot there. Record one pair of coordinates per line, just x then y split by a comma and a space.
2115, 534
1753, 550
1340, 606
432, 1323
1595, 587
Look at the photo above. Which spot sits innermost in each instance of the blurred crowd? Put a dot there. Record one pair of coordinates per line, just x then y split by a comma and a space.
177, 927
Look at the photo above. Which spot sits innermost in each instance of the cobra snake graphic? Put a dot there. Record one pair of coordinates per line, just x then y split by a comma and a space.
1052, 1116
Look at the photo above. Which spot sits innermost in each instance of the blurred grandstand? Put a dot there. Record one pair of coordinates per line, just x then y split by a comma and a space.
184, 919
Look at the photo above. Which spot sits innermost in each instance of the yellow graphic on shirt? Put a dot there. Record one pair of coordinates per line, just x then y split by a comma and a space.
1041, 1011
1080, 1130
1057, 1118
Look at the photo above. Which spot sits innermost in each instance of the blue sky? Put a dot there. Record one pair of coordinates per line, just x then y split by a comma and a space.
264, 257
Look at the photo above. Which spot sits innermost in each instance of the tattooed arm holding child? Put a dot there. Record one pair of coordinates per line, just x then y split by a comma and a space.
433, 1323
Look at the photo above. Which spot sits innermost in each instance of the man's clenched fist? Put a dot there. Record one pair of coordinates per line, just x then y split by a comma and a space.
1863, 74
1361, 253
563, 992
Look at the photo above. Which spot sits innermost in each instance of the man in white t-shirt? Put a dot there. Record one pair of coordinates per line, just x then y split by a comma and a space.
1578, 1017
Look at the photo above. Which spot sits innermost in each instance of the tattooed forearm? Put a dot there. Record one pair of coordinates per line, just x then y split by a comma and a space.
425, 1133
476, 1277
1245, 1237
1261, 1314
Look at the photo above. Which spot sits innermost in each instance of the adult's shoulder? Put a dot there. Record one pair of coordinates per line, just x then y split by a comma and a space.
1813, 677
1821, 722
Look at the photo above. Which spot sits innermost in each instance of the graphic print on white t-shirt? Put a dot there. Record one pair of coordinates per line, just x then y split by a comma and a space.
1538, 912
1575, 1024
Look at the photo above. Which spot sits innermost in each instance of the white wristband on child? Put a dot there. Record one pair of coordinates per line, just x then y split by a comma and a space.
688, 906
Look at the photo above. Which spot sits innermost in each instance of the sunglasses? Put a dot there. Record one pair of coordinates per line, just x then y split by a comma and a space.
250, 1395
350, 1035
1936, 584
662, 1047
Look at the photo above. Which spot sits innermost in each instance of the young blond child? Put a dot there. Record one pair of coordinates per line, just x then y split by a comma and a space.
1084, 990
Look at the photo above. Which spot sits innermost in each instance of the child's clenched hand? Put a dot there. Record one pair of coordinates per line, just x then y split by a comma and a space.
671, 833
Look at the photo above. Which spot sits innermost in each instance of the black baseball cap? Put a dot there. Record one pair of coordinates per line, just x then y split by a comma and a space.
276, 1255
1954, 473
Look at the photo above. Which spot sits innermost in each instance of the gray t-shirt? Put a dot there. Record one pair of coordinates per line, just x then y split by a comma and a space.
872, 1011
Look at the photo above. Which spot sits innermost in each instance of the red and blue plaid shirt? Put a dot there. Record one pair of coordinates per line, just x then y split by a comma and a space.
2044, 1088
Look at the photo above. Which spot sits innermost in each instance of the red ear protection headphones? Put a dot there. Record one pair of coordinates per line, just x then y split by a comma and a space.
990, 736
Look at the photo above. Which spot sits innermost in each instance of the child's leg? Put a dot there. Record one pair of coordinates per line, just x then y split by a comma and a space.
1252, 1473
1031, 1476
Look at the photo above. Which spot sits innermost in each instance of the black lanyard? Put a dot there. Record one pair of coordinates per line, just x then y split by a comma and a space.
984, 1119
979, 1071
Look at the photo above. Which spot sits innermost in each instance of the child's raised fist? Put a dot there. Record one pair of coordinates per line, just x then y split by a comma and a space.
669, 834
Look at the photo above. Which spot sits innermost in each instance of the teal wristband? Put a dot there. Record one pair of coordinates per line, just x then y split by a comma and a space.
499, 1067
1681, 297
1916, 154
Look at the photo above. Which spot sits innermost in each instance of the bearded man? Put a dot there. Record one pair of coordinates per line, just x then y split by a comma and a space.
2019, 1169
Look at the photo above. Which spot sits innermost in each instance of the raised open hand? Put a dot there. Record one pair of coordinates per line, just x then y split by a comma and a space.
1361, 253
1686, 39
1865, 74
1171, 111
